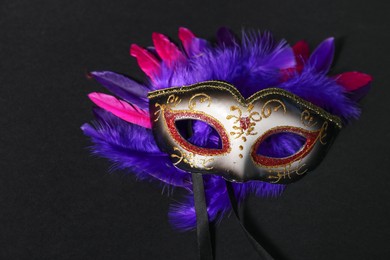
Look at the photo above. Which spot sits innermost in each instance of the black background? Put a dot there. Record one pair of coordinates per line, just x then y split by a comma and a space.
58, 202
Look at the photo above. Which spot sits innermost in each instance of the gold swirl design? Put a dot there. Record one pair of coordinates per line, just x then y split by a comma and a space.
205, 161
266, 111
239, 131
202, 98
172, 101
189, 158
287, 171
179, 157
235, 108
253, 117
323, 133
307, 119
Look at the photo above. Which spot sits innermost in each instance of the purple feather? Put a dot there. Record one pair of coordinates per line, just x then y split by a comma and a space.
132, 147
225, 37
251, 66
281, 145
204, 135
198, 46
323, 92
322, 57
124, 88
360, 93
282, 59
182, 215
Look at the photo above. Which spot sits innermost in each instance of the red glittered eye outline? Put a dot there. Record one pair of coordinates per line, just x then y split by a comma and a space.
311, 139
172, 116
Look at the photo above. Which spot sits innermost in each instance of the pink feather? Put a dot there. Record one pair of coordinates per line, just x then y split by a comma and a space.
168, 51
146, 61
186, 37
301, 52
353, 80
121, 109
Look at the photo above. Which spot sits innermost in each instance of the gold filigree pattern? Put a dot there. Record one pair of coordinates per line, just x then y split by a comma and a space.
287, 171
307, 119
172, 101
235, 108
190, 159
205, 161
246, 125
323, 133
202, 98
179, 157
187, 158
266, 111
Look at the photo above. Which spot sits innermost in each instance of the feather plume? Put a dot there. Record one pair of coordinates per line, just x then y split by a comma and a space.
146, 61
225, 37
123, 87
301, 52
353, 80
186, 37
192, 45
132, 147
356, 83
121, 109
322, 57
281, 58
167, 51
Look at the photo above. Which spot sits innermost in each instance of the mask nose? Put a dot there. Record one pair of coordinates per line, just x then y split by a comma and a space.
240, 164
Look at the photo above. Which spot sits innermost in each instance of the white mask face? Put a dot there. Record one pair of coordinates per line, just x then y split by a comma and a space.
242, 125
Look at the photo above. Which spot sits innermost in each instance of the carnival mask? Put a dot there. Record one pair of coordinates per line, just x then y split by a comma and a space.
242, 125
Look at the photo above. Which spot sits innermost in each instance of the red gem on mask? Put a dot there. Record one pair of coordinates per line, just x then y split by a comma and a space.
244, 122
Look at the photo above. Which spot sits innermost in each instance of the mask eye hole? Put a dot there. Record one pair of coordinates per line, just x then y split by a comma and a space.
283, 145
199, 133
280, 145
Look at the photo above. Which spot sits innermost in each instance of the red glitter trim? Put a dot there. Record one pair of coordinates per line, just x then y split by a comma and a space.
172, 116
311, 138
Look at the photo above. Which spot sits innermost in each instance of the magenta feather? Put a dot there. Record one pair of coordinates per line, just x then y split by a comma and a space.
302, 53
121, 109
167, 51
186, 37
146, 61
356, 83
353, 80
192, 44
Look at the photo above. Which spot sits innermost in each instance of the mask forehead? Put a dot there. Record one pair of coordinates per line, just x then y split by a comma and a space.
242, 124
